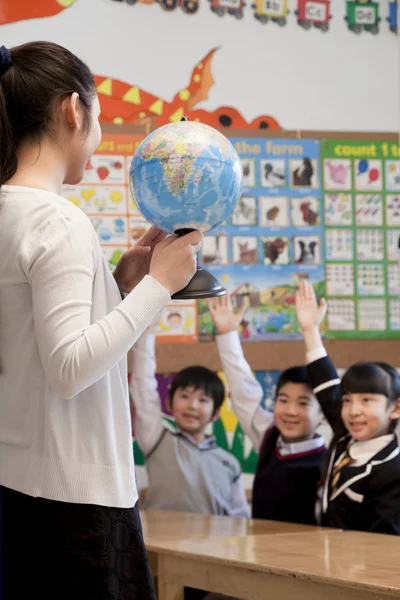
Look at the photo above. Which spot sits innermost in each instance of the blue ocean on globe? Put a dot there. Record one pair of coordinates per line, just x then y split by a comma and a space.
186, 175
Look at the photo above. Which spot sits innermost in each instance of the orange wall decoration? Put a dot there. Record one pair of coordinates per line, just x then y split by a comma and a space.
21, 10
124, 103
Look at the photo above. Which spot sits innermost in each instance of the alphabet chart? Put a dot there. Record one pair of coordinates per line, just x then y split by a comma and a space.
362, 227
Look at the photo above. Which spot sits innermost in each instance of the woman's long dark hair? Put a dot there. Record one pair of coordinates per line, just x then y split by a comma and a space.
34, 79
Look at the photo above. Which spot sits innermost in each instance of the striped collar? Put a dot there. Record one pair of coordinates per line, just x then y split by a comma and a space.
290, 448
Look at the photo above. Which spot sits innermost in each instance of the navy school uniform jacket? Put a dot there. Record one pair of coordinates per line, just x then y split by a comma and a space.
368, 496
287, 477
285, 486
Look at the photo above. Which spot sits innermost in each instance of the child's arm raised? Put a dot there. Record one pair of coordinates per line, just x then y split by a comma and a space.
323, 375
148, 419
246, 392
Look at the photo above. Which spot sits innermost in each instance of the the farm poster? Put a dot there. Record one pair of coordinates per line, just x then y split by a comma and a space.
273, 240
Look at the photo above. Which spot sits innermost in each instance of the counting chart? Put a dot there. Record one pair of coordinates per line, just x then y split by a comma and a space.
341, 315
371, 315
370, 280
339, 244
369, 209
370, 244
339, 279
362, 228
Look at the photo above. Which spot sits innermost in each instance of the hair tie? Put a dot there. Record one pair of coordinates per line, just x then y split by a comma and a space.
5, 59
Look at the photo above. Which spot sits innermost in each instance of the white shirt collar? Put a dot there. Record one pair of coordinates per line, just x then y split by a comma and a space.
289, 448
362, 452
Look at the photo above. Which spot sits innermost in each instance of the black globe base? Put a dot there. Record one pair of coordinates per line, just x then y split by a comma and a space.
202, 285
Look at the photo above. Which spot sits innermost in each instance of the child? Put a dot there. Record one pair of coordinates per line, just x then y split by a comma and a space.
187, 471
361, 488
68, 496
291, 453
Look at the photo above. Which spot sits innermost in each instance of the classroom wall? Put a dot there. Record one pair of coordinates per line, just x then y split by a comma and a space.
334, 80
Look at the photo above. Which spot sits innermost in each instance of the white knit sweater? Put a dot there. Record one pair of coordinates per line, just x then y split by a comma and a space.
65, 430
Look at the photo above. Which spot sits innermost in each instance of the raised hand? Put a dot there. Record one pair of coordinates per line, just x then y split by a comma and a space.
222, 313
309, 314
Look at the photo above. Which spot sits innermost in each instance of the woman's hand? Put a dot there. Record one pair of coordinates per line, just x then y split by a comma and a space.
134, 264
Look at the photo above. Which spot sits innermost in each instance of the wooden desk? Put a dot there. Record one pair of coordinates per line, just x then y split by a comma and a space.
159, 526
163, 529
315, 566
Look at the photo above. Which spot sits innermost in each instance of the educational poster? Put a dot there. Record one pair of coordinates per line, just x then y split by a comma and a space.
273, 240
104, 195
361, 182
228, 433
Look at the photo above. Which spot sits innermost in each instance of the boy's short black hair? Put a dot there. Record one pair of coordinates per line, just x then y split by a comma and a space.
293, 375
200, 378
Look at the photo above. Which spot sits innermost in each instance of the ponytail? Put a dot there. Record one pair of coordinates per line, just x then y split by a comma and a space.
8, 151
8, 154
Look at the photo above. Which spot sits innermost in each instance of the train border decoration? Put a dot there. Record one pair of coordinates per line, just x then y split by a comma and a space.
275, 11
362, 16
313, 13
230, 7
393, 16
190, 7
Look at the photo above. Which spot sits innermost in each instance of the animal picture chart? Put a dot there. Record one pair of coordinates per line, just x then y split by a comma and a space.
273, 240
361, 184
104, 195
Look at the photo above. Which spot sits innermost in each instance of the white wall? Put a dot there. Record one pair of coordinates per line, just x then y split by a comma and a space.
305, 79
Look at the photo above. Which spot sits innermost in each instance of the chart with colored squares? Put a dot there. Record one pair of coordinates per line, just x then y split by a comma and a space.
104, 195
273, 240
361, 182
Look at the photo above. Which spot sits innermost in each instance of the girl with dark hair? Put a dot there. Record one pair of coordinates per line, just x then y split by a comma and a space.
70, 522
361, 488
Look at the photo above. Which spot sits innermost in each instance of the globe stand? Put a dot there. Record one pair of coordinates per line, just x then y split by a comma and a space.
202, 285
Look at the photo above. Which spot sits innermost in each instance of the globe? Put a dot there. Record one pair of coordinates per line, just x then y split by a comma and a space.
186, 175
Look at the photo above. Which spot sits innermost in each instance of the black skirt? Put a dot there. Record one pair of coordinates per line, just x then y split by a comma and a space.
71, 551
